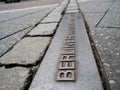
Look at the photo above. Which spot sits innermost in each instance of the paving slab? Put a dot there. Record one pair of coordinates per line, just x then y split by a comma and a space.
8, 42
31, 19
52, 19
44, 29
110, 20
13, 78
28, 51
72, 11
93, 0
93, 18
11, 15
115, 7
107, 41
90, 6
8, 29
85, 62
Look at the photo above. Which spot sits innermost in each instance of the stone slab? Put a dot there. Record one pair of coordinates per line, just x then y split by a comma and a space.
8, 29
45, 78
115, 7
110, 20
8, 42
94, 0
90, 6
93, 18
13, 78
72, 11
44, 29
31, 19
28, 51
52, 19
107, 41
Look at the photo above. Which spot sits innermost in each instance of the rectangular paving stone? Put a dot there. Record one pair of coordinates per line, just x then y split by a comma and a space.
94, 0
115, 7
95, 6
8, 42
110, 20
72, 11
44, 29
28, 51
8, 29
13, 78
107, 41
72, 8
45, 77
93, 18
31, 19
52, 19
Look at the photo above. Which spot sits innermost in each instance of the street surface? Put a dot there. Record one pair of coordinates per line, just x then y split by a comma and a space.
16, 20
28, 28
27, 3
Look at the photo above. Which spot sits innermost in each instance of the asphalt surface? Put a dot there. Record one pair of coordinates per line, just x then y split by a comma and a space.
26, 3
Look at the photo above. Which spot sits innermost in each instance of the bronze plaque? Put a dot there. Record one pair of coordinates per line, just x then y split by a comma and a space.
67, 62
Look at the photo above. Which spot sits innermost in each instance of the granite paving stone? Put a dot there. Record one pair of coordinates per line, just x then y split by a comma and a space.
111, 19
94, 0
8, 42
31, 19
28, 51
11, 15
7, 29
93, 18
115, 7
13, 78
52, 19
107, 41
44, 29
90, 6
72, 11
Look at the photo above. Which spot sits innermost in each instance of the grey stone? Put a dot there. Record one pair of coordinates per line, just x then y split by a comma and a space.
45, 78
8, 29
31, 19
111, 19
115, 7
72, 8
93, 18
94, 0
52, 18
95, 6
8, 42
28, 51
13, 78
107, 41
72, 11
44, 29
20, 13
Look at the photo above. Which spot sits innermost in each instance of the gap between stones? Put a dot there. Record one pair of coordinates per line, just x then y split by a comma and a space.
104, 15
99, 63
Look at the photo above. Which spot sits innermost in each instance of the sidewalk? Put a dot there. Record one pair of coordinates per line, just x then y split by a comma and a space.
33, 52
103, 18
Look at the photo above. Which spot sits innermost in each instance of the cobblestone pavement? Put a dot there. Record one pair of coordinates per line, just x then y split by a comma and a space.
26, 35
103, 18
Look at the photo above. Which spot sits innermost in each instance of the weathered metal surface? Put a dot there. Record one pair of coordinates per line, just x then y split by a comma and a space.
83, 74
66, 67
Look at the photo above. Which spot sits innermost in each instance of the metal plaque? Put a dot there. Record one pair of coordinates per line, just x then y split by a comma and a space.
66, 67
